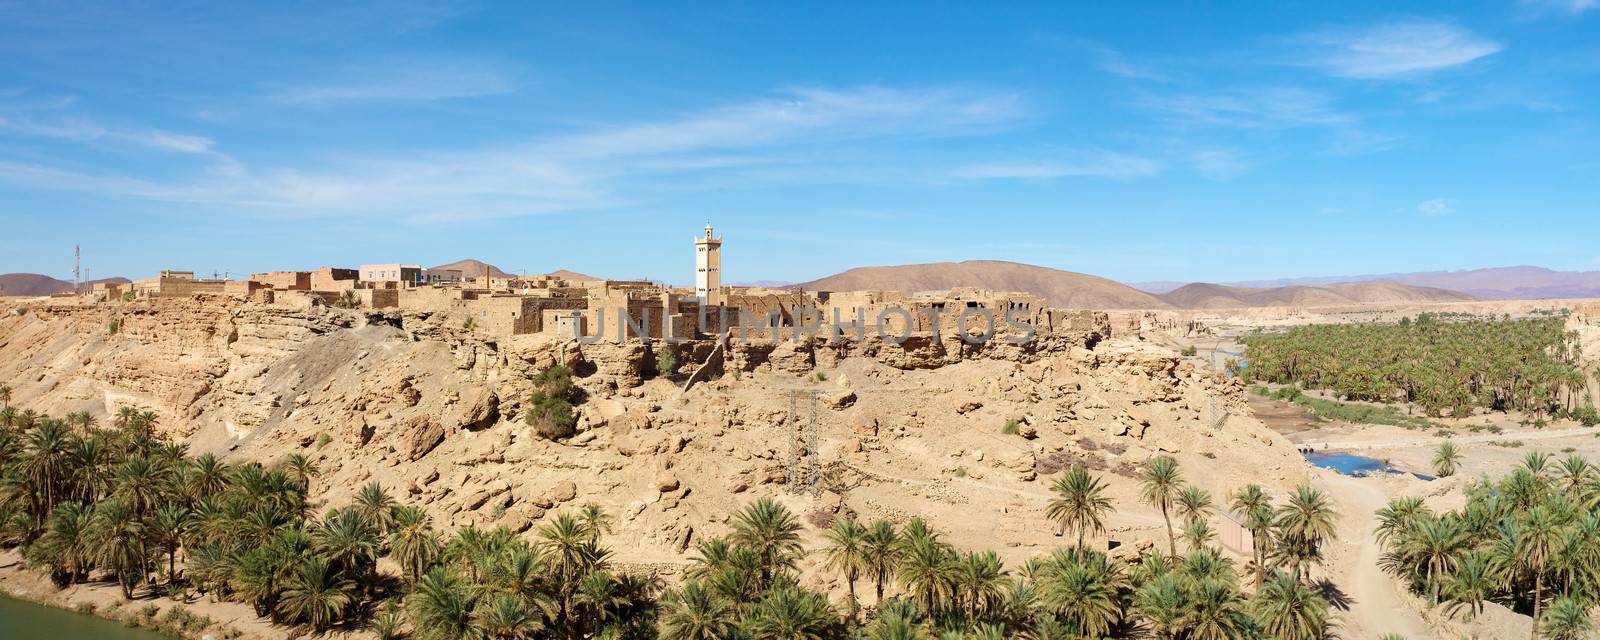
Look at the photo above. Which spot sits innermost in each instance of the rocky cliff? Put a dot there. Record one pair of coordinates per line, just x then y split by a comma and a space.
966, 435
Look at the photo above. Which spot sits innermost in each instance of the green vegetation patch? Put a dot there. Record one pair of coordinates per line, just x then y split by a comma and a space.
1444, 365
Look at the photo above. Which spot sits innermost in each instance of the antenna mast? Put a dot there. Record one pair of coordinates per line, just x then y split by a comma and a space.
77, 274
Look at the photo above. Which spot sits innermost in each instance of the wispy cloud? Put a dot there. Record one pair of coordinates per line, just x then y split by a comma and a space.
402, 81
801, 132
1104, 57
1573, 7
1436, 207
1219, 163
1261, 107
1097, 164
1355, 142
1394, 50
81, 130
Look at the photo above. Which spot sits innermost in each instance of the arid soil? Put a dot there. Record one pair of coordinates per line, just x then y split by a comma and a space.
431, 412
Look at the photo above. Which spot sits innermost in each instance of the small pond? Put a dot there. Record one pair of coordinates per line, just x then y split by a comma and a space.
20, 619
1353, 465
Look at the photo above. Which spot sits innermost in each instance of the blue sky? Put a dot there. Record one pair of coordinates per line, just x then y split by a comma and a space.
1184, 141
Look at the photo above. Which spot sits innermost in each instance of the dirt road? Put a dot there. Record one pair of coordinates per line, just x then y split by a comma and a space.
1375, 607
1360, 445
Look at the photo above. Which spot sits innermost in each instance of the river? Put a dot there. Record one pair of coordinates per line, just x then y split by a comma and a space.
27, 621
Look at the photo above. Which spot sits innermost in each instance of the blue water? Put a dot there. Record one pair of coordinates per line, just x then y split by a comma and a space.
1353, 465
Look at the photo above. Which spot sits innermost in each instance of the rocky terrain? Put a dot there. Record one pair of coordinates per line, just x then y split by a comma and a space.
431, 411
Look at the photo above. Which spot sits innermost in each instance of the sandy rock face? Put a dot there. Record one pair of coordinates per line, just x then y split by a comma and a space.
433, 412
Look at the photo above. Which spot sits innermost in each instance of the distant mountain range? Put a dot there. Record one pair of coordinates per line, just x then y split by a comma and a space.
1060, 288
1216, 296
33, 284
1502, 283
1072, 290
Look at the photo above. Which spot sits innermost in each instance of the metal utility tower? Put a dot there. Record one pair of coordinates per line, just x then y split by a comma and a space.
802, 444
77, 274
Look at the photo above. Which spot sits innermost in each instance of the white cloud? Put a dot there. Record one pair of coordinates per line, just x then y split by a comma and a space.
1095, 164
1354, 142
1397, 49
1436, 207
1567, 6
80, 130
1261, 107
809, 135
1218, 163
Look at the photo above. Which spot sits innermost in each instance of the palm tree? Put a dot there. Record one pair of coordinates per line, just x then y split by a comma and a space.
594, 520
695, 613
847, 554
316, 594
791, 613
1214, 613
207, 477
1474, 581
1576, 477
65, 545
302, 469
980, 579
5, 397
1161, 602
1161, 481
1396, 518
443, 605
168, 529
927, 570
1080, 504
1194, 504
117, 539
507, 617
346, 540
1534, 541
566, 546
1197, 534
412, 542
375, 507
882, 553
1252, 504
1085, 598
1436, 544
1568, 619
141, 482
768, 528
45, 458
1446, 460
1286, 609
1304, 522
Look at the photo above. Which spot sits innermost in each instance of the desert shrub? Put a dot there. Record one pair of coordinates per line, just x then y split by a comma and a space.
323, 439
1587, 416
469, 324
549, 409
1190, 351
666, 361
1011, 428
127, 296
1508, 444
114, 327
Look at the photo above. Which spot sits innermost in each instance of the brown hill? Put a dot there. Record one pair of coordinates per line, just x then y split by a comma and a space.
571, 275
1064, 289
33, 284
1496, 283
1216, 296
470, 268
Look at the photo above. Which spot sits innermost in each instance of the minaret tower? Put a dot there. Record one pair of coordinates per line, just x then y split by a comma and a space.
708, 268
